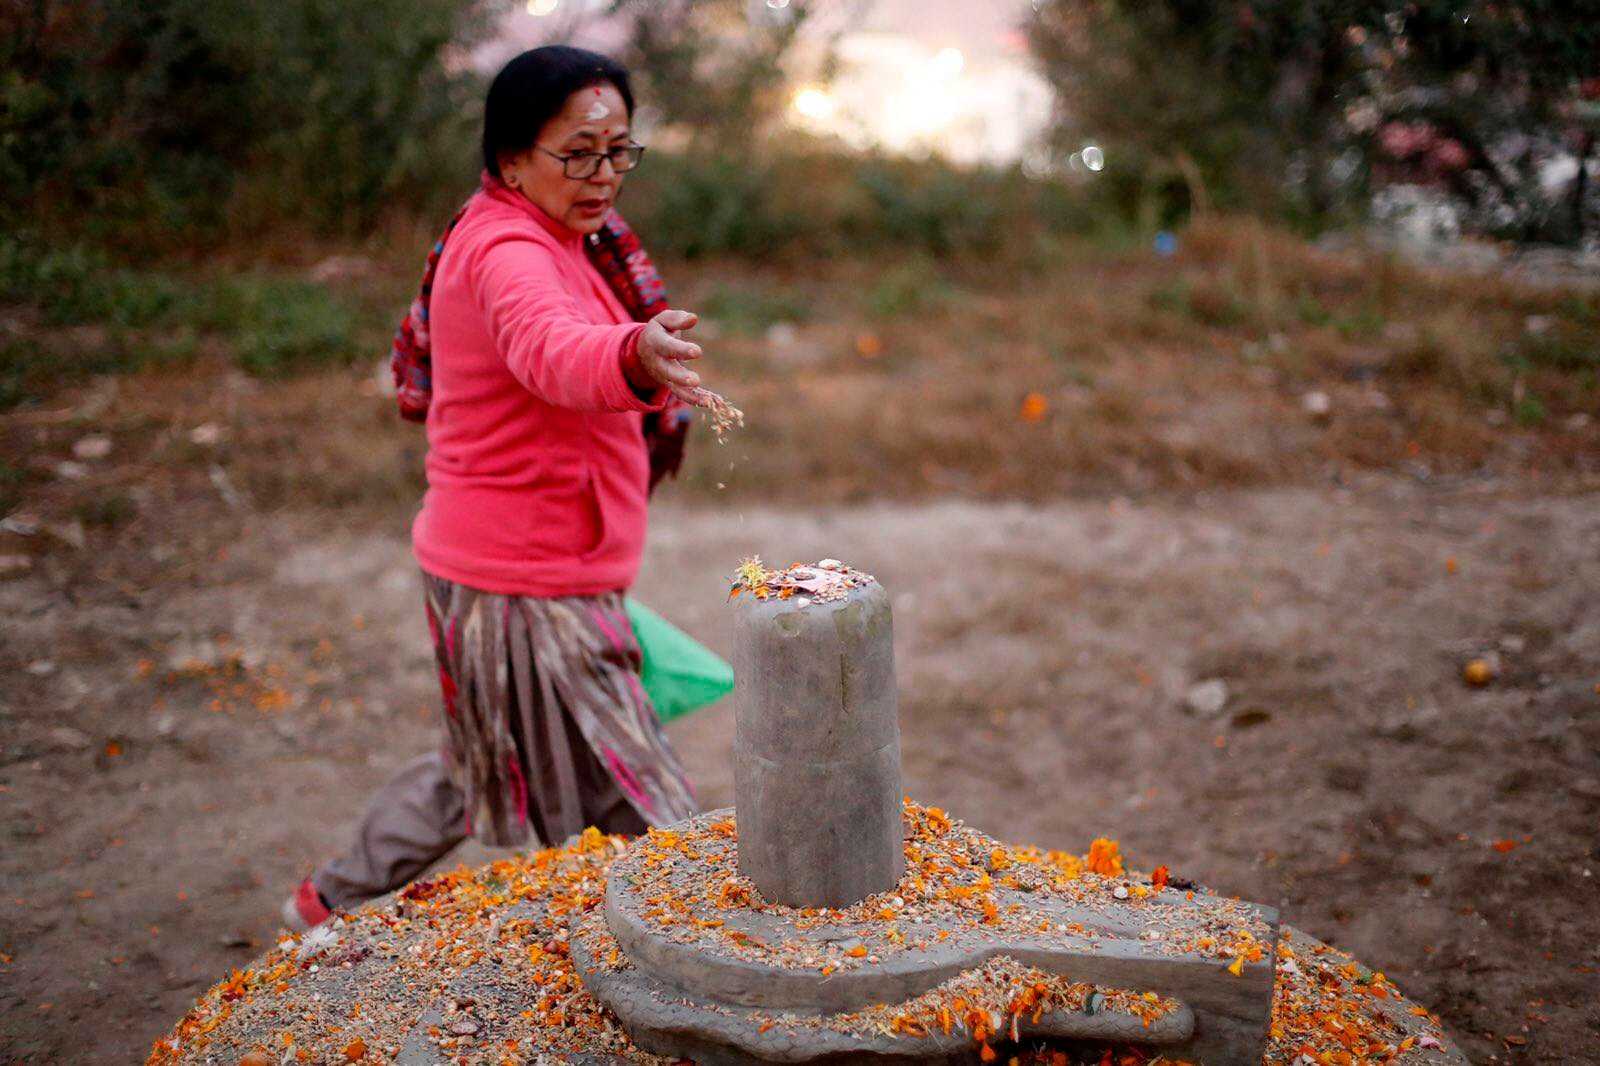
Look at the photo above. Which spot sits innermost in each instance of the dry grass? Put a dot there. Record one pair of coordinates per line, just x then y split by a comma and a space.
1094, 370
1151, 374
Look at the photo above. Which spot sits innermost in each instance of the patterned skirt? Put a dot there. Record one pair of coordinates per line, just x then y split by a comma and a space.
549, 728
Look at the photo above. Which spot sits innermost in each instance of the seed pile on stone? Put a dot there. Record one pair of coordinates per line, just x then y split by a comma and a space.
1326, 1007
473, 966
958, 882
806, 583
986, 1003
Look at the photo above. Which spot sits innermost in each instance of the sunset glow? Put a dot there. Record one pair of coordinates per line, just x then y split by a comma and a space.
896, 92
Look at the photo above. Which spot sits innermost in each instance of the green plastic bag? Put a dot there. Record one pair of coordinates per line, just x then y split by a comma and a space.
680, 674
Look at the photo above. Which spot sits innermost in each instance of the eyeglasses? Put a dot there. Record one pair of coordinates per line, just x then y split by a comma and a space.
583, 165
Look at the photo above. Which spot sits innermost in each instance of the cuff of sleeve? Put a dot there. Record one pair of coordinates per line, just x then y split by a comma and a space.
623, 368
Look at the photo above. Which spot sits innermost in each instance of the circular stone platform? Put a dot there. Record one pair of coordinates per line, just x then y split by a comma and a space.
478, 966
688, 925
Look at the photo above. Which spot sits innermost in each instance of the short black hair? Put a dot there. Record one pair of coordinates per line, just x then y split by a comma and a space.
531, 90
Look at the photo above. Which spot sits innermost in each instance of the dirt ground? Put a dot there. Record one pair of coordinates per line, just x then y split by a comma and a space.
194, 715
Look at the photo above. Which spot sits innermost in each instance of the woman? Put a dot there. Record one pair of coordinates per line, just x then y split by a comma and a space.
534, 519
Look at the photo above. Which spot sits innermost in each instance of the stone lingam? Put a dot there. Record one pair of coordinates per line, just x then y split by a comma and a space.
824, 919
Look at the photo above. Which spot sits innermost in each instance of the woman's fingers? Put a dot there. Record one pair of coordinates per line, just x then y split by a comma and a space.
676, 349
694, 397
674, 373
676, 320
663, 345
666, 353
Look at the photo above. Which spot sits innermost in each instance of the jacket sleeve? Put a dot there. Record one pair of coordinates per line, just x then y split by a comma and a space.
545, 338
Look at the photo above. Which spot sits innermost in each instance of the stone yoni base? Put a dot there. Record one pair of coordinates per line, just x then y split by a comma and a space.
688, 955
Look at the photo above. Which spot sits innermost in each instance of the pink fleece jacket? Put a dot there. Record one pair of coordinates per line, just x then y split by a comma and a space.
537, 470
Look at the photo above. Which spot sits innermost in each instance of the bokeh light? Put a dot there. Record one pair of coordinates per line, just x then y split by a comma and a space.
814, 103
541, 8
1093, 157
948, 63
975, 101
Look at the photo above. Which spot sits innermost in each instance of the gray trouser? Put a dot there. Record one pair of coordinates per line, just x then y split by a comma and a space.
417, 818
413, 821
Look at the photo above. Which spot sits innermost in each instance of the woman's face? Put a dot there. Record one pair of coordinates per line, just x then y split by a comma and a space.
592, 120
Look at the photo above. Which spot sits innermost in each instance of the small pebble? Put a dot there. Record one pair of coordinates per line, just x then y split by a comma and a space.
23, 525
1207, 698
95, 447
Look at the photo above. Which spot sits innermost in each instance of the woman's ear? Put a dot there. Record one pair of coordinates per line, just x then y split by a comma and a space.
511, 165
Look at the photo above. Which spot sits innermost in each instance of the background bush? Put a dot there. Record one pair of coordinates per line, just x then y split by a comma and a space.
1298, 109
176, 122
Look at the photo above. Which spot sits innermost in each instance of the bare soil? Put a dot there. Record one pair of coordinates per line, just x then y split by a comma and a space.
197, 707
1328, 481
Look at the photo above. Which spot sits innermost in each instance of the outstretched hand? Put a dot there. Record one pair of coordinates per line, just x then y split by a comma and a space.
662, 354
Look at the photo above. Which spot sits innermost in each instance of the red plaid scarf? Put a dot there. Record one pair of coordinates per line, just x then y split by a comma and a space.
622, 261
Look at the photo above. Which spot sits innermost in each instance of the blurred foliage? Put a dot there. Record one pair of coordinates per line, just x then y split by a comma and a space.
794, 197
268, 325
184, 120
751, 309
728, 179
1294, 108
179, 125
713, 69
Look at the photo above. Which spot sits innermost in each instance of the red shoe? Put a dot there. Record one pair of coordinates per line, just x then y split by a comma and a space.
305, 909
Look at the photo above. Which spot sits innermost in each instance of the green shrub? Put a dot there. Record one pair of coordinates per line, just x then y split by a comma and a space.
277, 326
1530, 411
1365, 322
938, 209
1560, 347
802, 200
186, 120
1311, 312
695, 206
751, 309
270, 325
907, 287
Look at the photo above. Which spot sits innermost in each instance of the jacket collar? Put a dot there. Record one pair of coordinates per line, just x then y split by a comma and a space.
499, 191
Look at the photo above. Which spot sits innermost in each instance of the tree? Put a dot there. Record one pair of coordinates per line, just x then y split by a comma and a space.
715, 68
319, 110
1298, 106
